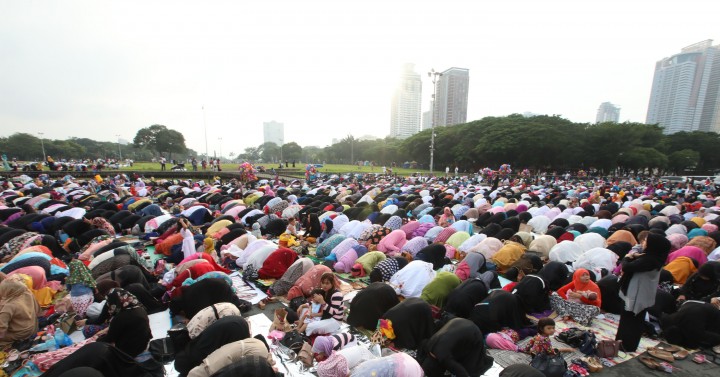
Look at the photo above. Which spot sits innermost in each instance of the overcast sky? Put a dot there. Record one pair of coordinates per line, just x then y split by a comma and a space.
324, 68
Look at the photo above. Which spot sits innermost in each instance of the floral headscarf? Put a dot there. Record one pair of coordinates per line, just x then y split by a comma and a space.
80, 274
119, 300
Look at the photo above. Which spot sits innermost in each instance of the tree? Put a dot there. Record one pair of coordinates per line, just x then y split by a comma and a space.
250, 154
160, 139
291, 151
269, 152
681, 160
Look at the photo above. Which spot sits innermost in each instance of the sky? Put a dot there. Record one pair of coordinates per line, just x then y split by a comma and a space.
326, 69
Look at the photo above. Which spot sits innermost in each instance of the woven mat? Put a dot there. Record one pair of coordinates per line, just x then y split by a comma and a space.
604, 328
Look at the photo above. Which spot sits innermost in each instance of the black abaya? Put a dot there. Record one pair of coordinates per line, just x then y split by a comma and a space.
464, 297
459, 348
500, 309
412, 322
370, 304
104, 358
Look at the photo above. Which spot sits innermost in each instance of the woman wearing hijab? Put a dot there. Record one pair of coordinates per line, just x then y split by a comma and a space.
396, 365
411, 322
281, 286
191, 299
462, 299
248, 366
129, 328
223, 331
447, 218
232, 353
579, 299
507, 255
308, 281
384, 270
681, 268
638, 287
370, 304
703, 285
436, 292
433, 254
412, 279
18, 312
107, 360
533, 290
81, 285
458, 347
498, 310
694, 325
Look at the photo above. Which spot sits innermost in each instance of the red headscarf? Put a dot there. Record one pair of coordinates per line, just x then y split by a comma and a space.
578, 286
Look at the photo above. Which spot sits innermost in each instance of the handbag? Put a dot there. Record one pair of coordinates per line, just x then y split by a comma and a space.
162, 350
179, 335
293, 340
306, 355
66, 322
609, 348
549, 365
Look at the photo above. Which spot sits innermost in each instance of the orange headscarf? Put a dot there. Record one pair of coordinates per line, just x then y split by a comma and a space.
622, 235
578, 286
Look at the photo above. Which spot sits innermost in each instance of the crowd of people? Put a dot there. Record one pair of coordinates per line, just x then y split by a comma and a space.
444, 269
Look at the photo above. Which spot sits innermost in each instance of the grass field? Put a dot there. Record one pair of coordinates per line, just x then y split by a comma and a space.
329, 168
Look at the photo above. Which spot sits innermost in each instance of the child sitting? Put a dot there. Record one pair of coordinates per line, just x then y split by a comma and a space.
312, 311
541, 342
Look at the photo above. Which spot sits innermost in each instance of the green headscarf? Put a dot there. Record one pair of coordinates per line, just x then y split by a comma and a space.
80, 274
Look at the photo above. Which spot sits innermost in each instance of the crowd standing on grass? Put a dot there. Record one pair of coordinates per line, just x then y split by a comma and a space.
445, 270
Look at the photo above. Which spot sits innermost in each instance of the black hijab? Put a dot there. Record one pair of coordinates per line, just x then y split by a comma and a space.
221, 332
412, 322
370, 304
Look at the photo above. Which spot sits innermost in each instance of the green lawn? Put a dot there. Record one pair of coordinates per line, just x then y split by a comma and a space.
329, 168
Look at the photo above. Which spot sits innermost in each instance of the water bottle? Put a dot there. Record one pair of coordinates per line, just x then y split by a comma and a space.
48, 345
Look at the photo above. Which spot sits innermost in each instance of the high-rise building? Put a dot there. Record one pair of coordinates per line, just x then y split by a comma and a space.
684, 95
452, 97
274, 132
427, 119
607, 112
405, 107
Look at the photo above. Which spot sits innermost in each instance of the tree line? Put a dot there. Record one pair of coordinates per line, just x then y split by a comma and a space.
538, 143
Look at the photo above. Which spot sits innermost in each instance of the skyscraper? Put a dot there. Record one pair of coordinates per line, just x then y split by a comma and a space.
607, 112
452, 97
684, 94
274, 132
405, 107
427, 118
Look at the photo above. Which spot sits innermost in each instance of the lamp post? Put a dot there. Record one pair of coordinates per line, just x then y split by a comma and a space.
352, 150
42, 144
119, 150
207, 156
220, 140
434, 76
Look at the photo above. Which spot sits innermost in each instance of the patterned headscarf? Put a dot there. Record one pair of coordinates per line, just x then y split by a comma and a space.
80, 274
119, 300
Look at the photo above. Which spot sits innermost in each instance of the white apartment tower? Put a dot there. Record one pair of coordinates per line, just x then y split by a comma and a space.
607, 112
405, 107
452, 97
274, 132
684, 95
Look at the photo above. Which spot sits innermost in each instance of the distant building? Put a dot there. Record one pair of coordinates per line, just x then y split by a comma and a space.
367, 138
529, 114
452, 97
427, 118
607, 112
274, 132
405, 106
684, 95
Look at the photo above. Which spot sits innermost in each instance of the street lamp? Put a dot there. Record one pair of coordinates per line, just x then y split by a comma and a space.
220, 140
42, 144
119, 150
434, 76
